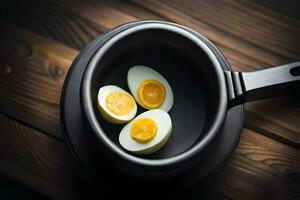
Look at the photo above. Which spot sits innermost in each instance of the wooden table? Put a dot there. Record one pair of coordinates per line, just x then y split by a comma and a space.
39, 42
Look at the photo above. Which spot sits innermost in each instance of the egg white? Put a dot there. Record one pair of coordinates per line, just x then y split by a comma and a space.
106, 113
164, 128
138, 74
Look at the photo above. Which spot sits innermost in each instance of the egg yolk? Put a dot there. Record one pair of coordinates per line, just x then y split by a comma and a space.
119, 103
143, 130
151, 94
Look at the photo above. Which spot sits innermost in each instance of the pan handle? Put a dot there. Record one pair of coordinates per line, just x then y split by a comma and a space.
250, 86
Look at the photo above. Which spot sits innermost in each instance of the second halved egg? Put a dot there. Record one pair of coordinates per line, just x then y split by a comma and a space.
149, 88
147, 133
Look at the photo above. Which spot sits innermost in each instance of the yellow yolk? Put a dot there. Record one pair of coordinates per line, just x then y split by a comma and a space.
151, 94
143, 130
119, 103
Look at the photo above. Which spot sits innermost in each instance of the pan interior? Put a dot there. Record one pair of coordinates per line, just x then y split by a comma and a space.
187, 69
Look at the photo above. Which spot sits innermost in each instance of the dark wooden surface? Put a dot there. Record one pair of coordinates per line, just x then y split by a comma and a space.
39, 42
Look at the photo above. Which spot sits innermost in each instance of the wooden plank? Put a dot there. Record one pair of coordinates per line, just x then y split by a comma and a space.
277, 118
247, 24
32, 73
50, 20
40, 162
261, 168
98, 12
132, 9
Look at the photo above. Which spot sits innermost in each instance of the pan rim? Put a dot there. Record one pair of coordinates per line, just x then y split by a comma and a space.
88, 111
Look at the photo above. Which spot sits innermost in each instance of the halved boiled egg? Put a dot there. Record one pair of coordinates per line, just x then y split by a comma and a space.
116, 105
149, 88
147, 133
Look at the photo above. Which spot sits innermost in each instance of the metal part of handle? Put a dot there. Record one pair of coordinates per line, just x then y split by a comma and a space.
251, 86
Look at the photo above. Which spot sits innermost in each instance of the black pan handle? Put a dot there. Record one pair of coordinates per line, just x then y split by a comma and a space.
250, 86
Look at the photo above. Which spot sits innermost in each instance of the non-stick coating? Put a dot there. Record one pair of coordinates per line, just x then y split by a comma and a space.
188, 112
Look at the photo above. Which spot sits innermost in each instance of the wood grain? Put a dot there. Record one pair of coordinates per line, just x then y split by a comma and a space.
277, 118
64, 25
36, 160
100, 13
133, 10
260, 168
32, 73
49, 20
33, 68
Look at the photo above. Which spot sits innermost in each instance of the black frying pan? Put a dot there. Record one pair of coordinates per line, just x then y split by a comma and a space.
203, 92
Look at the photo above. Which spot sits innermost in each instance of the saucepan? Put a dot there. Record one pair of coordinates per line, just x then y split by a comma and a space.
203, 92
